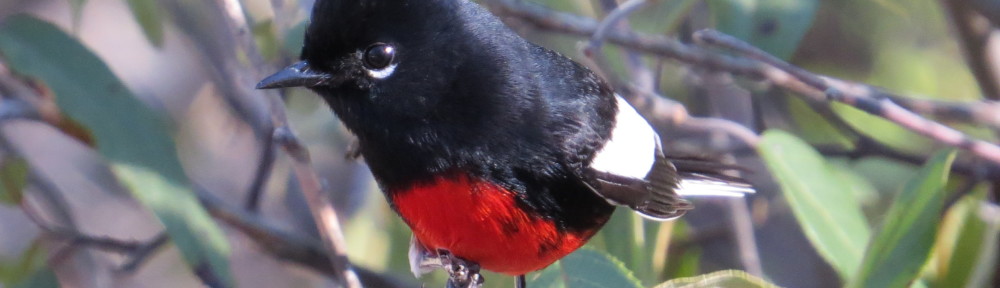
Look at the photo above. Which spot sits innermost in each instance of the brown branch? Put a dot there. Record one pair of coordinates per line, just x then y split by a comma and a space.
321, 208
985, 113
298, 249
658, 110
239, 78
16, 94
757, 65
221, 33
144, 252
743, 231
240, 29
617, 19
860, 96
980, 44
742, 228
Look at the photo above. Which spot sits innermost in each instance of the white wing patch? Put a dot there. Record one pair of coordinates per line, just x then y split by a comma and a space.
633, 145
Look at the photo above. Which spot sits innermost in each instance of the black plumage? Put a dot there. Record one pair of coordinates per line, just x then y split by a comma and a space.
431, 87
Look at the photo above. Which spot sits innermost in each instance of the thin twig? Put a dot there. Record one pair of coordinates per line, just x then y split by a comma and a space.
658, 110
980, 42
764, 66
742, 228
617, 19
241, 31
136, 251
614, 18
223, 37
321, 208
737, 130
144, 252
861, 96
263, 173
743, 232
84, 273
298, 249
985, 113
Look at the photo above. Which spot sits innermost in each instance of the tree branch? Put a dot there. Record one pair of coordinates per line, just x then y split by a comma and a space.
980, 43
277, 130
616, 20
861, 96
757, 65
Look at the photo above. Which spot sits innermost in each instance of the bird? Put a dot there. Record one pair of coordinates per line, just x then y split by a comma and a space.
498, 153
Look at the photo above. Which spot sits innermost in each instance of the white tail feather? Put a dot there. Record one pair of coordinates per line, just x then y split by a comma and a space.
710, 188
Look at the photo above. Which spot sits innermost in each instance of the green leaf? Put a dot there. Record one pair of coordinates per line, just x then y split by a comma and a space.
31, 260
904, 242
622, 236
861, 189
777, 26
659, 17
13, 179
966, 243
147, 14
813, 127
134, 138
831, 218
585, 268
43, 278
720, 279
883, 131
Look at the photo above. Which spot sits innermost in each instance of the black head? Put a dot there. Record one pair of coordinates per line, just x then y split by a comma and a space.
424, 84
387, 57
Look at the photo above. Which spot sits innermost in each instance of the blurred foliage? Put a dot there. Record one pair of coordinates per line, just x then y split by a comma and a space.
903, 242
875, 221
13, 179
43, 278
134, 138
147, 14
585, 268
725, 278
776, 26
833, 222
31, 262
965, 249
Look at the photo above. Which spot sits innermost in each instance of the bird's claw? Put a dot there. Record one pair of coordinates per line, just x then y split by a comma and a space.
461, 273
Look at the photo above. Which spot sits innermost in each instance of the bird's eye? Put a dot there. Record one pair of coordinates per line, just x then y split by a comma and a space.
379, 56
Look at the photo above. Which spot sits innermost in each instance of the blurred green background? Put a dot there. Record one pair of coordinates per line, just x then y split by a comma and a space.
119, 87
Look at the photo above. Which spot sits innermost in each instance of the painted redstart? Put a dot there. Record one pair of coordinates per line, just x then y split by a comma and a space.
498, 153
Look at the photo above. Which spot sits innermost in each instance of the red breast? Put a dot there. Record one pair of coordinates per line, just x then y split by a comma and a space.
481, 222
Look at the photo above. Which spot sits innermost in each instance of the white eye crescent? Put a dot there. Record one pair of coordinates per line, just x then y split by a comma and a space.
382, 73
378, 59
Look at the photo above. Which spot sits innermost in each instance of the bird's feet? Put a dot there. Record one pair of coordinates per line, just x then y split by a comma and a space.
461, 273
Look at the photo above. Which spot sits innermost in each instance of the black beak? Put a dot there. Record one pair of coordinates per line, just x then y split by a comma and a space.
296, 75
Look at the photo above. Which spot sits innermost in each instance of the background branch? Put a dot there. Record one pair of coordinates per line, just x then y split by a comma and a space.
759, 65
617, 20
980, 42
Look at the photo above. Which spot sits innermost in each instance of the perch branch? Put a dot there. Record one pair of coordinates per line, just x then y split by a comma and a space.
754, 64
320, 206
278, 131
